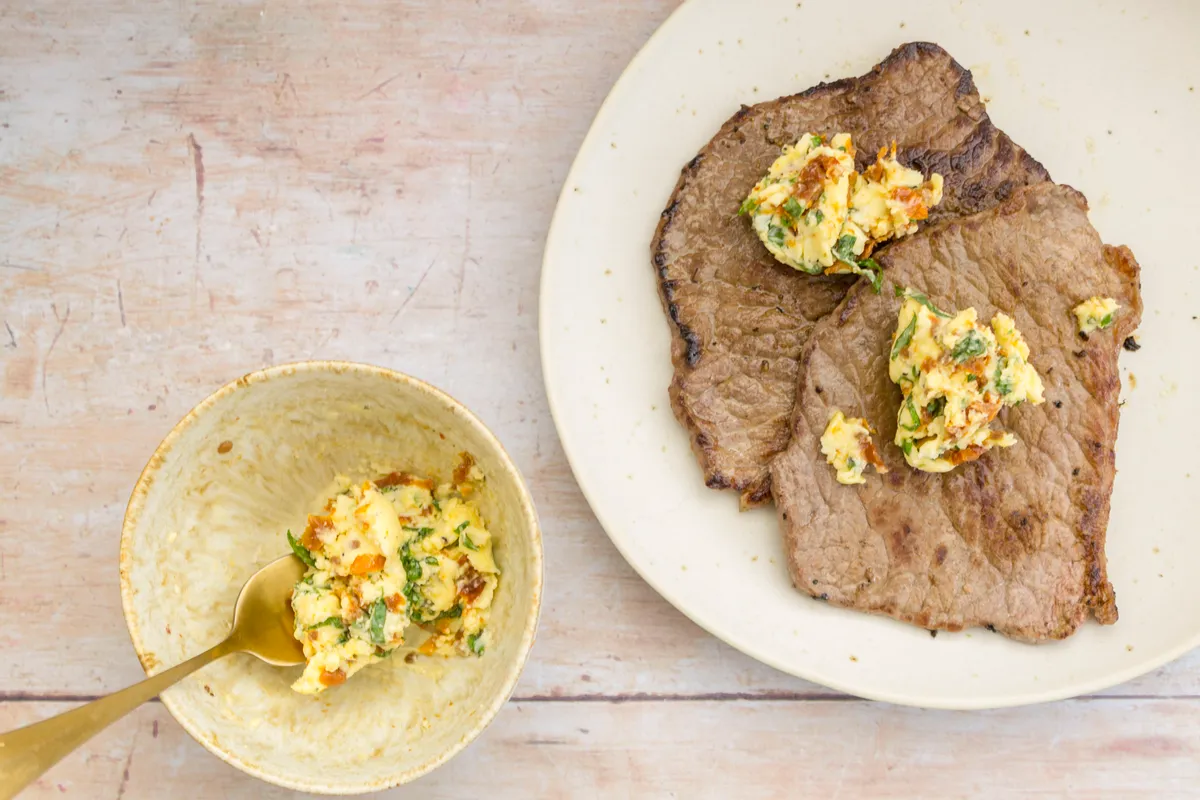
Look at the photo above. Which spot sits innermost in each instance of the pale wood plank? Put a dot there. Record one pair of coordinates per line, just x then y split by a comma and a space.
320, 234
850, 749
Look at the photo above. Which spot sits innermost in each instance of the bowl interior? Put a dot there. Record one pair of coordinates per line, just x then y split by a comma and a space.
202, 521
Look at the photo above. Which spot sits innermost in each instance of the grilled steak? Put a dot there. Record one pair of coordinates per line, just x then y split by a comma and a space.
1014, 540
739, 318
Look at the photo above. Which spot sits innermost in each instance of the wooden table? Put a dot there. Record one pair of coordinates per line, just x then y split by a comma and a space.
193, 190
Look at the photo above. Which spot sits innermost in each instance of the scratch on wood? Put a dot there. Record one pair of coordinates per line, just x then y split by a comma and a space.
198, 165
197, 162
62, 324
12, 337
462, 272
21, 267
121, 302
414, 291
378, 87
128, 763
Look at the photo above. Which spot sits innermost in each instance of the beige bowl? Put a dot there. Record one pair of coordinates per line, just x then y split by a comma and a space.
212, 507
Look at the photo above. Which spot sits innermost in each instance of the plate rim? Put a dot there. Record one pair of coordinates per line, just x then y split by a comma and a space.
982, 701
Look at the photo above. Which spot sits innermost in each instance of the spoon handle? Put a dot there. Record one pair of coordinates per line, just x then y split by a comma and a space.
28, 752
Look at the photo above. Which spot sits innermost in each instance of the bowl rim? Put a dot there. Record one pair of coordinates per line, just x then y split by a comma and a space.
137, 502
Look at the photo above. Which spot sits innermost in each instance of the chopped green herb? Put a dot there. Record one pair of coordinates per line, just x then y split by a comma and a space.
327, 622
843, 248
452, 613
968, 347
816, 217
842, 149
748, 207
1003, 385
378, 618
869, 268
466, 541
817, 140
913, 416
776, 235
301, 551
936, 406
971, 376
414, 601
412, 567
793, 208
907, 447
421, 532
462, 526
436, 507
474, 643
905, 336
431, 560
851, 463
1106, 320
923, 300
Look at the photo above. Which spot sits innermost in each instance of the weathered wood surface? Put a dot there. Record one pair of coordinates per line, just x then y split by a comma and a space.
189, 191
817, 748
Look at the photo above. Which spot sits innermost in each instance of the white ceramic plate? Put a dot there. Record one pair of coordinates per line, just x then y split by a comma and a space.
1107, 96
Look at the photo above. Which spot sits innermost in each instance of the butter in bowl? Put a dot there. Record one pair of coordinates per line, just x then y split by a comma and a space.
421, 596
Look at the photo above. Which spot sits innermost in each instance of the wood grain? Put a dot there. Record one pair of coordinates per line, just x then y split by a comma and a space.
824, 748
190, 191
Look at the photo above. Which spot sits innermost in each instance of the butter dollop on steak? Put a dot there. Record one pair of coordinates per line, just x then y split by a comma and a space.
1015, 540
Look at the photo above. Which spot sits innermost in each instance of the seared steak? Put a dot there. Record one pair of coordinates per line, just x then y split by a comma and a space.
739, 318
1014, 540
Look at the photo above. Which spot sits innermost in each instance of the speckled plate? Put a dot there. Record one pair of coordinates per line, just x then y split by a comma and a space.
1106, 95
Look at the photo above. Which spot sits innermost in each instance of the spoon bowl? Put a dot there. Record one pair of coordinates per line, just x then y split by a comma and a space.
263, 621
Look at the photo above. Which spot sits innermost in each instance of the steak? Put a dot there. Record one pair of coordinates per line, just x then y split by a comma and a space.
739, 318
1014, 540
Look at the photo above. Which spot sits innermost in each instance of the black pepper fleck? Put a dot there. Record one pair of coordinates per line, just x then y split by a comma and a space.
1058, 403
1131, 344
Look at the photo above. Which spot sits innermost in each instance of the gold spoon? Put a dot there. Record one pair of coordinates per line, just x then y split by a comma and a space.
262, 626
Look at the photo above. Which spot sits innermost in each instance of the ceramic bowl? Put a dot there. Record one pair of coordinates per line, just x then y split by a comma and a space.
212, 507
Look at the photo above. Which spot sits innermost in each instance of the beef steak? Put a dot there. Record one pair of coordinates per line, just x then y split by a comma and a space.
739, 318
1014, 540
